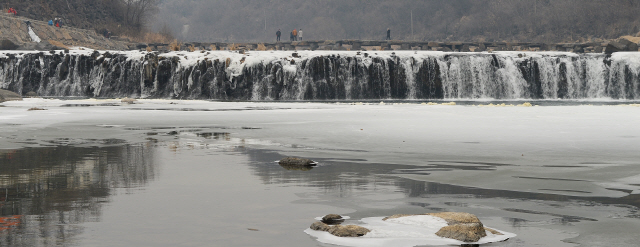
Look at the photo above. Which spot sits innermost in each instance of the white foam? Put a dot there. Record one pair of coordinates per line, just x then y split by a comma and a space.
402, 232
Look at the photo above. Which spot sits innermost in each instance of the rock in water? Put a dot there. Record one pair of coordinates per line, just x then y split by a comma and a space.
332, 219
292, 161
348, 231
319, 226
6, 95
465, 227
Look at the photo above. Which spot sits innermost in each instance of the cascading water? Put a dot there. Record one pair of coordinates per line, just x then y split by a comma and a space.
323, 75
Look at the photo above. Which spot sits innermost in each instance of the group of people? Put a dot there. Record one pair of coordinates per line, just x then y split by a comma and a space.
12, 11
293, 36
55, 22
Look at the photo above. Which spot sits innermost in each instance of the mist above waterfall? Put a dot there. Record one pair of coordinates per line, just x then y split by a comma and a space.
324, 75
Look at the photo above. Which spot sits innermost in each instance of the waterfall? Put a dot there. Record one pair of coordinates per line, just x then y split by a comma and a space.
324, 75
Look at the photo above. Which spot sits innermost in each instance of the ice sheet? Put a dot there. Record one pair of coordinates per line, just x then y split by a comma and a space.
402, 232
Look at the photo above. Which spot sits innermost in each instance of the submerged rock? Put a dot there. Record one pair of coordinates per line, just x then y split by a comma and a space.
293, 161
348, 231
6, 95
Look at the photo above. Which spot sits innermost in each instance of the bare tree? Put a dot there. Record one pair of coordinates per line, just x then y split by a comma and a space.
138, 12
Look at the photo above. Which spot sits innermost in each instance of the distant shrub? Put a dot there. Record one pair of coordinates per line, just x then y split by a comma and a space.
261, 47
175, 45
233, 46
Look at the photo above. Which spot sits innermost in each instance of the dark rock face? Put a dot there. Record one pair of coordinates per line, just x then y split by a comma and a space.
324, 77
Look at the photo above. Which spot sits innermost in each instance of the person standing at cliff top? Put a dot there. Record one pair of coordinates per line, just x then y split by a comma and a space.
300, 34
291, 36
295, 35
278, 33
388, 33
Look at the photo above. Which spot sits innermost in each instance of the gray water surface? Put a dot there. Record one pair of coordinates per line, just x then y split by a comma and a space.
118, 176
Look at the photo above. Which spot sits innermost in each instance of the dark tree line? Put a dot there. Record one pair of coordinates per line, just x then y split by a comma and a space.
437, 20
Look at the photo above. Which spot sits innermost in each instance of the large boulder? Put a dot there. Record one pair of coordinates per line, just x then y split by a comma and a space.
348, 231
465, 227
340, 230
320, 226
6, 95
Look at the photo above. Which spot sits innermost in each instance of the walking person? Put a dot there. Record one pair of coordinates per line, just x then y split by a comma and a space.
300, 34
388, 33
278, 33
295, 35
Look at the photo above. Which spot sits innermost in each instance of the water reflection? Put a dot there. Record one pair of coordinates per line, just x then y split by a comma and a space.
344, 176
46, 192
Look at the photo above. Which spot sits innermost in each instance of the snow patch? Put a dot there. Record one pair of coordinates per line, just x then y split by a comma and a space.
408, 231
33, 35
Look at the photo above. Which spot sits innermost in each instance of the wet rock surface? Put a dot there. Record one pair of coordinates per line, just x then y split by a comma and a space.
332, 219
296, 162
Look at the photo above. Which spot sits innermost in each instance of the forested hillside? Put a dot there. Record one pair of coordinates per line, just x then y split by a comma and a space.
128, 17
432, 20
437, 20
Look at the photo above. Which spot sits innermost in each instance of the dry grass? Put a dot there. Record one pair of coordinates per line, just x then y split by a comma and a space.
213, 47
233, 47
227, 62
175, 45
147, 38
58, 44
192, 48
149, 49
261, 47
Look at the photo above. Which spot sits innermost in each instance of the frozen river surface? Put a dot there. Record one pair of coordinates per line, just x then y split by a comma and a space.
197, 173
